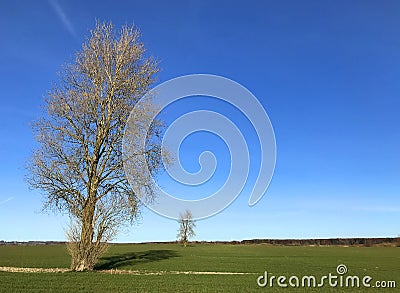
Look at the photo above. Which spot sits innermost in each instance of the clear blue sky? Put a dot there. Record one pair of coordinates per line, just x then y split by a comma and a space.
327, 72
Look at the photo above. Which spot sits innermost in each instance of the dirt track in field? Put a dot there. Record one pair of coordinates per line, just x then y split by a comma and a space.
32, 270
119, 272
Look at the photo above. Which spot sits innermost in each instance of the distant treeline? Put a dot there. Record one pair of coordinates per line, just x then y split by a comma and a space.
2, 242
284, 242
322, 242
394, 241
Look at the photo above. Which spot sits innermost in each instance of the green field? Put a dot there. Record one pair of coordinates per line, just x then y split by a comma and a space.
381, 263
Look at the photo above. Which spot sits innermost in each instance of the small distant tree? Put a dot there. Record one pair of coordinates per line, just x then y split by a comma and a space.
186, 227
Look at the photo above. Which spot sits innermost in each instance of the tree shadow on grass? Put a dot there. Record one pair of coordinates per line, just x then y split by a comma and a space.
133, 258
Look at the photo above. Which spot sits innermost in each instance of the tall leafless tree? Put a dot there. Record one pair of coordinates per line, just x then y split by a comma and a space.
79, 162
186, 227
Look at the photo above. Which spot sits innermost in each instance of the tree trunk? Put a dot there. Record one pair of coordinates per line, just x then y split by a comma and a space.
86, 257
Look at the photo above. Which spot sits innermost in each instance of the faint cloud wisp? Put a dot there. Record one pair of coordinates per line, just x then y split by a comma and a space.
63, 17
6, 200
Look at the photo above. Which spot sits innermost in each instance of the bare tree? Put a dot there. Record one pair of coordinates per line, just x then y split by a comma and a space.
186, 227
79, 162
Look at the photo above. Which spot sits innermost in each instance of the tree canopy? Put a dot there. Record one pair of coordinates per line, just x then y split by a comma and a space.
78, 164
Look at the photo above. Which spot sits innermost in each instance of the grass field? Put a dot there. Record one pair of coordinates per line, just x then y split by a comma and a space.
166, 260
